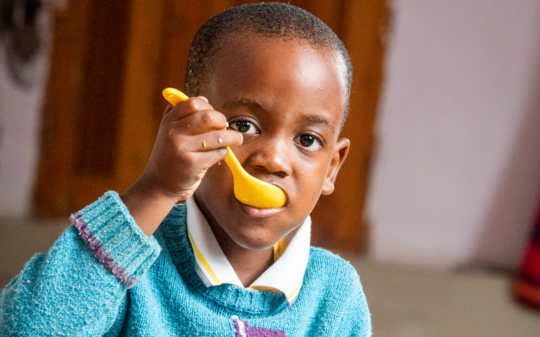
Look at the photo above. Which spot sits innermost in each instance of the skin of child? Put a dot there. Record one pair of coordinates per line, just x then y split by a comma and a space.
283, 100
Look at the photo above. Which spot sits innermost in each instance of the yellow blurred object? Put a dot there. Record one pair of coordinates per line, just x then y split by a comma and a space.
174, 96
247, 189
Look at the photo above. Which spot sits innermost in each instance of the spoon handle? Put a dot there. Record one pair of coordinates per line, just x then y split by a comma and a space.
174, 96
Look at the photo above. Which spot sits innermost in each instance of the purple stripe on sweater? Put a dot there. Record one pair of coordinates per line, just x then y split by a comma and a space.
240, 331
100, 253
244, 330
252, 331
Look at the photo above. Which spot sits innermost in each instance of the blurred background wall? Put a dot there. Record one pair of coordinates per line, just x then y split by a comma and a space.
457, 171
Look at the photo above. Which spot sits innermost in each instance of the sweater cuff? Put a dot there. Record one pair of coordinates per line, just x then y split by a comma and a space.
116, 240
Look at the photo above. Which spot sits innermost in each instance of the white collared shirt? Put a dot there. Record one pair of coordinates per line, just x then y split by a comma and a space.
286, 274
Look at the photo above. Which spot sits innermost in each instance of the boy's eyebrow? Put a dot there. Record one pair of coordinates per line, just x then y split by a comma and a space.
236, 101
317, 119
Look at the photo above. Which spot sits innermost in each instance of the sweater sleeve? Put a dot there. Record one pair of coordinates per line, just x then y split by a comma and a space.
356, 318
362, 316
80, 286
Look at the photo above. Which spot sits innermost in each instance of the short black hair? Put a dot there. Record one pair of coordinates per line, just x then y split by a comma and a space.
273, 20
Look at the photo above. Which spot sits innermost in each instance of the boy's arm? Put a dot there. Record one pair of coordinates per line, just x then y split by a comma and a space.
191, 138
361, 317
355, 317
80, 285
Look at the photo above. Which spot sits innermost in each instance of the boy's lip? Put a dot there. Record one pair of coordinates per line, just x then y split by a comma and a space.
255, 212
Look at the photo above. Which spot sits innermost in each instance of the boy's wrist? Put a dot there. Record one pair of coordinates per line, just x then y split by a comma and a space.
148, 206
140, 192
147, 190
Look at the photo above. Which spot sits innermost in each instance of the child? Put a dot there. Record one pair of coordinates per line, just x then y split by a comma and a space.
273, 82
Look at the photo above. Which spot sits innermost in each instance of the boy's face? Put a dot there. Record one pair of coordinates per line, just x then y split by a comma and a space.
287, 99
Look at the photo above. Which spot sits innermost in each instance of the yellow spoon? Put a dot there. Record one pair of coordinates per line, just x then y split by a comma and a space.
247, 189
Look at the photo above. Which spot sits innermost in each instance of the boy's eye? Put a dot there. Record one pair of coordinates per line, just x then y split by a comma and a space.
309, 141
243, 126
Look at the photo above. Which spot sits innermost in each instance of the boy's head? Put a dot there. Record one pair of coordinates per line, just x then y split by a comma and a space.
282, 78
270, 20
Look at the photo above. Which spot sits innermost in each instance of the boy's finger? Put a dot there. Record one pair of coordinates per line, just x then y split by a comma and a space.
202, 121
168, 108
186, 108
207, 159
210, 141
208, 152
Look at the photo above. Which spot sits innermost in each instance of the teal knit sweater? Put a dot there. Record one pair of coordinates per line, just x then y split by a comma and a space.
105, 277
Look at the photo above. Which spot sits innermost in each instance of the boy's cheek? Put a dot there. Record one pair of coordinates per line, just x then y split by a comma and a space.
218, 177
215, 171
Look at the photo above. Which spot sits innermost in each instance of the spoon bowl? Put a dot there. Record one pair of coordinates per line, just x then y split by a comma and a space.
247, 189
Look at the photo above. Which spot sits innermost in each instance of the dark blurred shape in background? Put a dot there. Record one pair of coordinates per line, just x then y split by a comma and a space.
527, 286
24, 39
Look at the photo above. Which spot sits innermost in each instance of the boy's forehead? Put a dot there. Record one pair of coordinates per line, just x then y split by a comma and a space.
255, 67
242, 47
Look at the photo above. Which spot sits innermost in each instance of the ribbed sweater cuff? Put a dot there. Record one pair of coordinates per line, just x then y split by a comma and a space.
115, 239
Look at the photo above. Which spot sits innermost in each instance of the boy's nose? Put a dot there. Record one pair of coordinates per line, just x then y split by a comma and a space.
271, 159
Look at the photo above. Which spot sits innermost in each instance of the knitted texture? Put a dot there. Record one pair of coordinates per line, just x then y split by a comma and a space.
105, 277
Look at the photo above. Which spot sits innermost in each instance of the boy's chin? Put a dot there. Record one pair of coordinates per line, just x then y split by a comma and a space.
254, 242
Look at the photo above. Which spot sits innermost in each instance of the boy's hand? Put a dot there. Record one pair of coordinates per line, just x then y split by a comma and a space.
191, 138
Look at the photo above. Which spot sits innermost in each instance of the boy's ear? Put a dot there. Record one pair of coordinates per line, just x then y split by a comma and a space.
338, 157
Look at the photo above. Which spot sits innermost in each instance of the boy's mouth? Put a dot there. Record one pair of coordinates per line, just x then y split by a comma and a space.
255, 212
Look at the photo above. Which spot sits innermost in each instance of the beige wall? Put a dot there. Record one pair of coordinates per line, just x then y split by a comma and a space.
457, 175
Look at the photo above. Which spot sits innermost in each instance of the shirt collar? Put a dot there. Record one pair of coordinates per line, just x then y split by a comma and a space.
284, 275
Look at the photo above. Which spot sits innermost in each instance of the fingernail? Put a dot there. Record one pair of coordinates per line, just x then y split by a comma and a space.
242, 136
226, 124
204, 98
